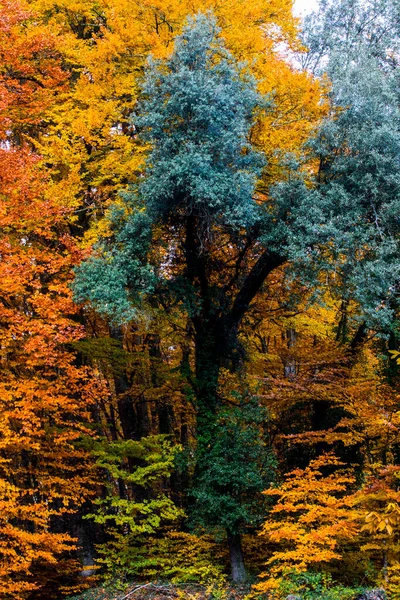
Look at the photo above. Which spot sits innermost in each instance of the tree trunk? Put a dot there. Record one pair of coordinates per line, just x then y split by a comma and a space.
290, 366
207, 371
238, 570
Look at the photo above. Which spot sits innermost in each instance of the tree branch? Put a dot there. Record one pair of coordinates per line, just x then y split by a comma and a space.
268, 262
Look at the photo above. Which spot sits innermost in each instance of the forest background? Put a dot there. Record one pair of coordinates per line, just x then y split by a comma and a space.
199, 298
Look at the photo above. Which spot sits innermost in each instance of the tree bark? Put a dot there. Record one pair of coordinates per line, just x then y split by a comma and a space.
290, 365
207, 361
238, 570
268, 262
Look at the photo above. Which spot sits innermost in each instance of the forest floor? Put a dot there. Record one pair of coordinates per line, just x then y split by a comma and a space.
215, 591
159, 591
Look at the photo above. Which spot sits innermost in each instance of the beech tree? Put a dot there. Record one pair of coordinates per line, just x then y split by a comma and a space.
45, 472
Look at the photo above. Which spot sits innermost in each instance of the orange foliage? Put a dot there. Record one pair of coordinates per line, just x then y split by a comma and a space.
313, 515
90, 144
44, 473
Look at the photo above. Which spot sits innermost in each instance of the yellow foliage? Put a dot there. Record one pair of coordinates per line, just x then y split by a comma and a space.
89, 144
187, 557
313, 515
379, 505
392, 583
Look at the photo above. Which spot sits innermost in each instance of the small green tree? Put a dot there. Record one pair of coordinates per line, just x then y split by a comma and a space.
235, 464
136, 507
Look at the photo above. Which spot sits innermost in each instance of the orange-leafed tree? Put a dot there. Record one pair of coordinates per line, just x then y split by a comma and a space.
313, 515
44, 470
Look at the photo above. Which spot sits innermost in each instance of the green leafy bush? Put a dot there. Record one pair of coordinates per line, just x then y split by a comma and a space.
315, 586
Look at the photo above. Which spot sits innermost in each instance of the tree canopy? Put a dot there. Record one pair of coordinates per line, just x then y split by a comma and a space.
199, 299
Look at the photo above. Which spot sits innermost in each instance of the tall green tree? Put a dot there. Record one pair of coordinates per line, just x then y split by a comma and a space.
197, 111
197, 234
358, 149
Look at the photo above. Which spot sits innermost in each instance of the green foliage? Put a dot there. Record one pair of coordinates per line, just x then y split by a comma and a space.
136, 506
358, 149
314, 586
235, 464
197, 112
114, 276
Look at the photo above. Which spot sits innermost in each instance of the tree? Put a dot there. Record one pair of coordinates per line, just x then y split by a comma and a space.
235, 465
199, 131
45, 472
134, 522
357, 149
193, 232
314, 514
